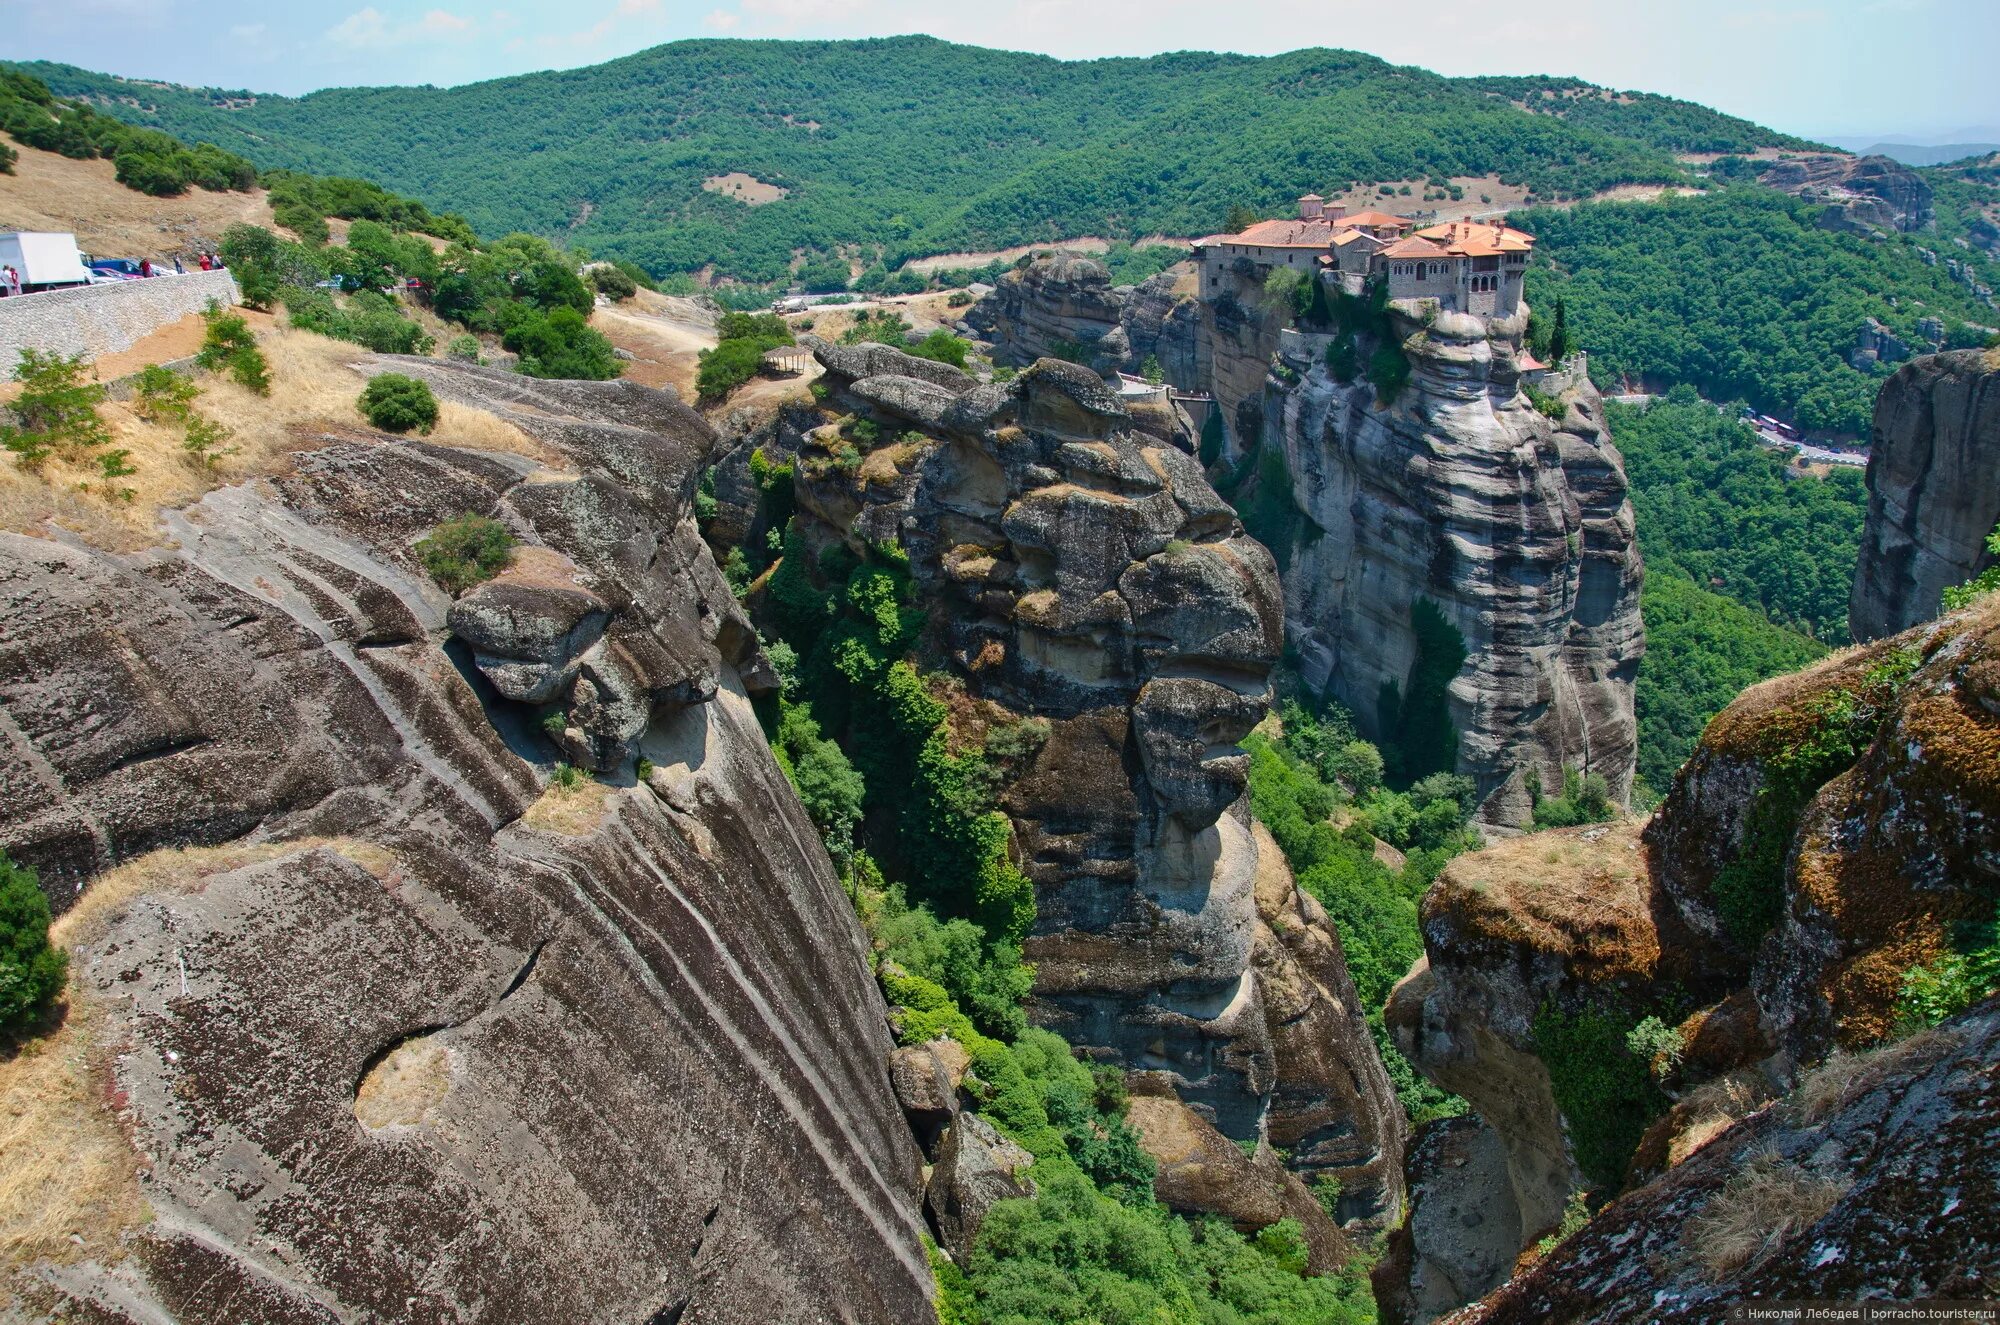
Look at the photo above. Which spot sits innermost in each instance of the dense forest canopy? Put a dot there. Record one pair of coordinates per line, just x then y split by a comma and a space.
911, 145
1739, 294
1747, 566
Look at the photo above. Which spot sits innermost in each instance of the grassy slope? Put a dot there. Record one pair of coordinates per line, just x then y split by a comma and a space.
923, 146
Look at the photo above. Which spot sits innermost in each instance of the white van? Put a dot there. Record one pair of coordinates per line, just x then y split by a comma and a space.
46, 259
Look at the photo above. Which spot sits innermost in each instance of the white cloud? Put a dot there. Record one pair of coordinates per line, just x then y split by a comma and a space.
619, 17
721, 20
361, 29
368, 29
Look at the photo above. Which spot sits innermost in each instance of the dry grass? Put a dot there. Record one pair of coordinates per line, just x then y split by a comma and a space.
51, 192
1844, 1077
405, 1086
69, 1177
314, 390
574, 813
746, 189
1757, 1212
1712, 1109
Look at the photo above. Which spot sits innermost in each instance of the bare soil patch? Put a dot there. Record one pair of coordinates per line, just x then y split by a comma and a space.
746, 189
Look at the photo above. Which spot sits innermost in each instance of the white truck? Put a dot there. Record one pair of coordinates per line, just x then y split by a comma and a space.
46, 259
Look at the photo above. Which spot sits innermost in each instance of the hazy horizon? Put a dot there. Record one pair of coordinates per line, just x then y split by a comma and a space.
1796, 68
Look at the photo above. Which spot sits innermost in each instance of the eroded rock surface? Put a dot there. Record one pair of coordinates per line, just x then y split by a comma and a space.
1864, 193
1078, 569
436, 1061
1788, 932
1877, 1179
1515, 526
1932, 493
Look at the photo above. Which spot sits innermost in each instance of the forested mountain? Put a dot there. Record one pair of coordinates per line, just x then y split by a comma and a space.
914, 145
1740, 293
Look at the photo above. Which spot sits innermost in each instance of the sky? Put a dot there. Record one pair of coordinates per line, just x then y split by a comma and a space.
1922, 69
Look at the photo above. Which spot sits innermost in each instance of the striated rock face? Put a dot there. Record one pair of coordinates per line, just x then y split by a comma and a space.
1932, 494
1059, 305
1078, 569
1865, 193
1784, 912
1517, 528
1877, 1179
426, 1040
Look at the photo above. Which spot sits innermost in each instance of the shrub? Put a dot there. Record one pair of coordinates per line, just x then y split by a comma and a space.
203, 444
1943, 988
464, 347
1605, 1092
463, 552
1546, 405
57, 409
1585, 799
612, 283
395, 403
560, 344
228, 345
31, 969
1653, 1039
566, 778
164, 395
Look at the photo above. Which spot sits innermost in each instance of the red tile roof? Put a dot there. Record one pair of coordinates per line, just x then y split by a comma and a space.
1413, 247
1375, 219
1478, 239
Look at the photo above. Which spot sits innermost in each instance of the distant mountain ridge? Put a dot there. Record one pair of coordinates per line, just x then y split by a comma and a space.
911, 145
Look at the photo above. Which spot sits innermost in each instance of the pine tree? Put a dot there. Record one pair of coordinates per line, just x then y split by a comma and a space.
1559, 336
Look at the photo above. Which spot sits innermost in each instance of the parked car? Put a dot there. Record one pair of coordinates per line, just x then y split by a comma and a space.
126, 267
109, 277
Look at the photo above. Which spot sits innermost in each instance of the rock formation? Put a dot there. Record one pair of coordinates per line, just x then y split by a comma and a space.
1077, 568
1514, 526
1830, 833
1062, 304
1932, 493
1876, 1180
337, 943
1464, 1231
1864, 193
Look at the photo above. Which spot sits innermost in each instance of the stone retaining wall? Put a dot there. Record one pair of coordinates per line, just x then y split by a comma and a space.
94, 320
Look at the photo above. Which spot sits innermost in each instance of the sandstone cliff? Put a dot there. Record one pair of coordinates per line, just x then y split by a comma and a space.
1932, 494
1864, 193
1077, 568
1514, 526
1829, 834
339, 945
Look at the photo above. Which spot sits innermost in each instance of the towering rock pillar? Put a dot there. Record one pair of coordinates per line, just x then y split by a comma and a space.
1459, 508
1933, 495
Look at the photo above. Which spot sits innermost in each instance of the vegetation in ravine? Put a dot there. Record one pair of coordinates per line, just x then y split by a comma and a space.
1602, 1086
1747, 566
1318, 773
1041, 149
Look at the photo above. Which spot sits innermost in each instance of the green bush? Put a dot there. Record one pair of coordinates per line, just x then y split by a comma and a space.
464, 347
1605, 1092
560, 344
31, 969
1585, 799
163, 395
612, 283
463, 552
57, 409
228, 346
396, 403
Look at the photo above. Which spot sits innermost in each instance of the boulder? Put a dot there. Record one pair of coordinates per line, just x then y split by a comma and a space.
1198, 1170
527, 637
976, 1169
926, 1087
1865, 193
1464, 1231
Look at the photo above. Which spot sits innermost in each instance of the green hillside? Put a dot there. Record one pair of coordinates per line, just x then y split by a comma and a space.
911, 145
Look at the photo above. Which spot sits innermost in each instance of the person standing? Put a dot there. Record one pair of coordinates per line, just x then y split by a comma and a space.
145, 266
204, 262
178, 269
13, 280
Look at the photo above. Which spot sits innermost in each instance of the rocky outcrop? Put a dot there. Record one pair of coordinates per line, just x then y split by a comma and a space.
1058, 304
1515, 527
1876, 1179
1832, 831
1201, 1171
389, 1027
1861, 193
1464, 1232
1932, 494
976, 1169
1078, 569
